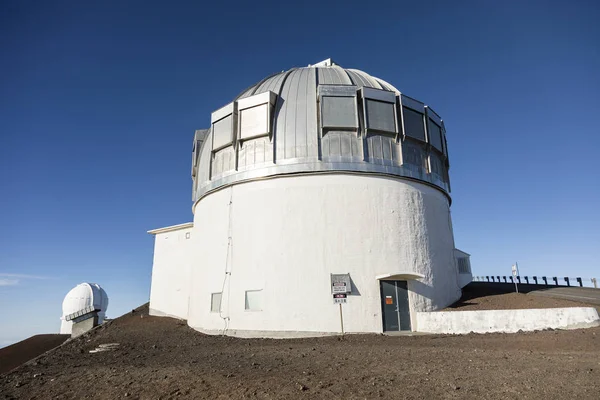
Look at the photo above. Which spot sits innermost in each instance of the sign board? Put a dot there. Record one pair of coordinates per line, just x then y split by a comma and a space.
338, 287
340, 283
340, 298
389, 300
514, 270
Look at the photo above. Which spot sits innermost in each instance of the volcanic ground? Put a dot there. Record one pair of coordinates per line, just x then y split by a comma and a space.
162, 358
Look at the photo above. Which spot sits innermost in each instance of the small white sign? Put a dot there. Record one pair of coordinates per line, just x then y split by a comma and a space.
339, 287
514, 270
340, 298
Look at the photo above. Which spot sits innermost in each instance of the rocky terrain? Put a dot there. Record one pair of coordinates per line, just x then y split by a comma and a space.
162, 358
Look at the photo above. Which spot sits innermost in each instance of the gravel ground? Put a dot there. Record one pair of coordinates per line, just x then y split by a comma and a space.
484, 296
162, 358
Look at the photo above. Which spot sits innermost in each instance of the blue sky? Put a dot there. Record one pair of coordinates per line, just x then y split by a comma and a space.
99, 102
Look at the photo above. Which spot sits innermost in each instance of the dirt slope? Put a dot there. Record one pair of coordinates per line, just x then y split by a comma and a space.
16, 354
490, 296
161, 358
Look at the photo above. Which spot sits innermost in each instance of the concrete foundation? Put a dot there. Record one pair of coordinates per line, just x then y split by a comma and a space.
508, 321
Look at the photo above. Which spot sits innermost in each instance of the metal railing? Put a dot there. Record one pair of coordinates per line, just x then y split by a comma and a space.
535, 280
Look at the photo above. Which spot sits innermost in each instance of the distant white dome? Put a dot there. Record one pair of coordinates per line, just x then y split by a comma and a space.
85, 295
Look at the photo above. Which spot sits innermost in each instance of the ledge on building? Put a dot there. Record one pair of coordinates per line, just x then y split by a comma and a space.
399, 276
171, 228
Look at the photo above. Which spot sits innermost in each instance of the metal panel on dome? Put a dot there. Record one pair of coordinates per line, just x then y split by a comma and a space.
359, 78
333, 75
437, 164
414, 153
272, 84
295, 128
309, 135
223, 161
255, 152
199, 138
413, 104
379, 95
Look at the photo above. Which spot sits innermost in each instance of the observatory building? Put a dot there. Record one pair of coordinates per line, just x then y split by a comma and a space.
83, 308
321, 202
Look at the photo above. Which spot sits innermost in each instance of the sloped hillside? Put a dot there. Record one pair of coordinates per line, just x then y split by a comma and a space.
164, 358
16, 354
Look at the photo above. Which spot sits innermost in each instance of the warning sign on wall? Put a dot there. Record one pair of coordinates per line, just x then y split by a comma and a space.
340, 283
389, 300
340, 298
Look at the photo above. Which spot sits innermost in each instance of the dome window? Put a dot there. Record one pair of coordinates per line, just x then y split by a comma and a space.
434, 128
413, 124
223, 123
380, 111
255, 115
338, 108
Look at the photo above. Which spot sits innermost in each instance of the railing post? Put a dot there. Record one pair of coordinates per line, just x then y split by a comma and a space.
567, 280
580, 281
545, 280
535, 280
595, 282
518, 278
488, 278
498, 279
526, 279
505, 281
555, 279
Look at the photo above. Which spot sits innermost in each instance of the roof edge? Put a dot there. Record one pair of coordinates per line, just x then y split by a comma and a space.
171, 228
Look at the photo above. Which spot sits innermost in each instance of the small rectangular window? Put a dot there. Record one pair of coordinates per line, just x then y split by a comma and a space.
381, 116
215, 302
413, 124
464, 266
254, 300
338, 112
435, 135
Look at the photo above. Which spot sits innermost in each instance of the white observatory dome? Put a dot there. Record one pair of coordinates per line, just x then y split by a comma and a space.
80, 297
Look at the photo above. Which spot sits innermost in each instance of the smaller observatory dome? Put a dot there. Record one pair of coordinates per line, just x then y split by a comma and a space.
81, 297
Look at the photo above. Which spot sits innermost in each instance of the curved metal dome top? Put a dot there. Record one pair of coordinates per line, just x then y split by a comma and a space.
327, 73
318, 119
85, 295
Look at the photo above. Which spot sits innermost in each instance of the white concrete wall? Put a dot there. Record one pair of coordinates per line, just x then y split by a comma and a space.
289, 233
173, 256
460, 322
464, 279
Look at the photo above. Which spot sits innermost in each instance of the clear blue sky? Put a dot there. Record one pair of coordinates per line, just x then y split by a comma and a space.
99, 102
